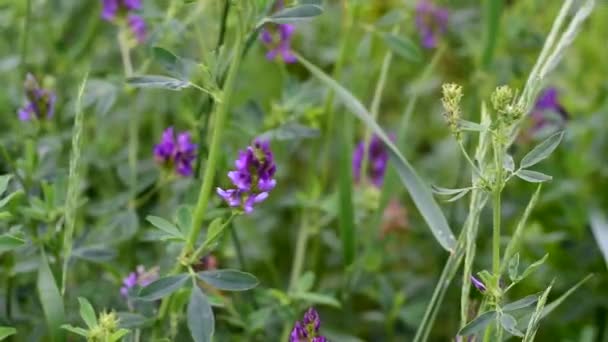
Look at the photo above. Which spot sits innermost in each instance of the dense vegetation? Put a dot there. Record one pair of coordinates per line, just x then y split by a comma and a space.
336, 170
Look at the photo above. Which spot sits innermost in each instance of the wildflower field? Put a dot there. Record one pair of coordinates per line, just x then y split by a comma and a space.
303, 170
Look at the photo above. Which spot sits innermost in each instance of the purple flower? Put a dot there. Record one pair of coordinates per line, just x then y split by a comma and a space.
547, 101
252, 178
431, 21
40, 102
179, 152
377, 160
478, 284
138, 27
140, 277
307, 330
278, 41
110, 8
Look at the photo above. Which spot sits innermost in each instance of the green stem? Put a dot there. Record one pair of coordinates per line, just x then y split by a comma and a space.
221, 115
300, 252
237, 247
496, 208
375, 108
24, 39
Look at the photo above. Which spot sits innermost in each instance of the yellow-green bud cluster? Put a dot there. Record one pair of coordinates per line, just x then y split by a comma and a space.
452, 94
504, 102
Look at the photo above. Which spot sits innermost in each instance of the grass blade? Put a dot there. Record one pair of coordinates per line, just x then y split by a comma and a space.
599, 227
492, 12
51, 300
419, 191
73, 184
346, 216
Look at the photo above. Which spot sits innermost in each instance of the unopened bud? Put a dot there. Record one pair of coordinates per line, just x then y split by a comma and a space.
452, 94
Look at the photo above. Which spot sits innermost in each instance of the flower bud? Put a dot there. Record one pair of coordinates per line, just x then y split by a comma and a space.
452, 94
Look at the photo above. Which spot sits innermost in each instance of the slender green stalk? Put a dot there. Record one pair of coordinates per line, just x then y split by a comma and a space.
496, 207
73, 184
375, 107
237, 247
221, 115
300, 252
25, 37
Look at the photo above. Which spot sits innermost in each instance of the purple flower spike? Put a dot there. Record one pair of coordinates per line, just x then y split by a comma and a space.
307, 330
40, 102
253, 177
431, 22
132, 4
376, 164
278, 41
138, 27
179, 153
140, 278
548, 101
478, 284
109, 9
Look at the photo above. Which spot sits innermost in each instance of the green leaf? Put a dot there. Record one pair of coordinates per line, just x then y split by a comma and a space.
533, 176
6, 332
509, 163
599, 227
8, 198
478, 324
76, 330
317, 298
290, 131
521, 303
537, 316
514, 267
471, 126
117, 335
446, 191
200, 316
305, 282
50, 298
229, 280
4, 179
214, 232
131, 320
458, 196
157, 81
8, 242
403, 47
492, 12
184, 219
162, 287
87, 313
295, 14
514, 243
532, 267
554, 304
419, 191
169, 61
542, 151
165, 226
509, 323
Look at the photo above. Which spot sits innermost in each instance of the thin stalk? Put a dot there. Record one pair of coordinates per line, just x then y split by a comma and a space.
237, 247
24, 38
375, 107
496, 206
221, 115
222, 32
300, 252
347, 28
